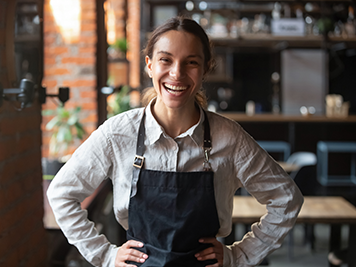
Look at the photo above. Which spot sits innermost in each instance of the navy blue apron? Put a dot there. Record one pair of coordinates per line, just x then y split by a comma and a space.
170, 211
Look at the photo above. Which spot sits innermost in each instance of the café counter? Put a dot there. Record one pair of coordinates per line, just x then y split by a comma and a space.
301, 132
268, 117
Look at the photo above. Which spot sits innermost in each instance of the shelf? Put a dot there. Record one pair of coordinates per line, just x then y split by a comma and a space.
302, 1
269, 40
27, 38
268, 117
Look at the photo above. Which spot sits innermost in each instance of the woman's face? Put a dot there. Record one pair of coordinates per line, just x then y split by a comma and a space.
176, 69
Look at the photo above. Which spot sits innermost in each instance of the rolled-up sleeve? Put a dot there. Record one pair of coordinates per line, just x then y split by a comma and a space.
78, 178
267, 182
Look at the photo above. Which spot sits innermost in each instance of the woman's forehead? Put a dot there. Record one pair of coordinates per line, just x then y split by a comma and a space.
179, 42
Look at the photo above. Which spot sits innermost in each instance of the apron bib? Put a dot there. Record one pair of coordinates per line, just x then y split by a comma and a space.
170, 211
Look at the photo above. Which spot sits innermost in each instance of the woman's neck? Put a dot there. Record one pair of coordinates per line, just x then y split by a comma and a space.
175, 121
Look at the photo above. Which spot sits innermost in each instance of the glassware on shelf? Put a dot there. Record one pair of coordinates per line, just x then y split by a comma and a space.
276, 12
350, 23
218, 27
335, 106
275, 79
309, 24
27, 22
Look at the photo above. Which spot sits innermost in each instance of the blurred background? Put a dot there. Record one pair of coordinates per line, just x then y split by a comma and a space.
285, 71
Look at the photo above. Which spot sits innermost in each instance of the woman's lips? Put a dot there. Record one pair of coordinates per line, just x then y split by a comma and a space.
175, 89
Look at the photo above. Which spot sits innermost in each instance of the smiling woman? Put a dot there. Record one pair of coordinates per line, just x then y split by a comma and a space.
201, 41
177, 76
175, 168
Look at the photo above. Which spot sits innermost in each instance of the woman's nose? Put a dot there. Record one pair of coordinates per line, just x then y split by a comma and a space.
177, 71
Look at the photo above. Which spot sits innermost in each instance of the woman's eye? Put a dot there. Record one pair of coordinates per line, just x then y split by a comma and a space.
193, 62
164, 59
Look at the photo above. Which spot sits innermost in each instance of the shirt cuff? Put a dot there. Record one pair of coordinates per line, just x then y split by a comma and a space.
109, 258
227, 256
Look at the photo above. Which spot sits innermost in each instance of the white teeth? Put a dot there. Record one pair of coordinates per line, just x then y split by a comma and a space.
176, 88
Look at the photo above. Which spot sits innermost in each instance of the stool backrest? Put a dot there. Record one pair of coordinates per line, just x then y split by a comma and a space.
302, 158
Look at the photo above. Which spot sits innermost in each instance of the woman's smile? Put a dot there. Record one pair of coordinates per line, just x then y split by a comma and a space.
175, 89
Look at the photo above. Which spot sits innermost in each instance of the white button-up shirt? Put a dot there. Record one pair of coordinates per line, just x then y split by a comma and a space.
236, 160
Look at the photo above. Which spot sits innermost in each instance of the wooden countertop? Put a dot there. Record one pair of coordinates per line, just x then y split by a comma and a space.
268, 117
314, 210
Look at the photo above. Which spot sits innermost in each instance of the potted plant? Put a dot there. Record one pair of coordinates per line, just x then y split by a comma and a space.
119, 101
118, 49
66, 128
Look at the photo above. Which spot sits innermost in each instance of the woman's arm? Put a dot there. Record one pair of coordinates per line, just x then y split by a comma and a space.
265, 180
78, 178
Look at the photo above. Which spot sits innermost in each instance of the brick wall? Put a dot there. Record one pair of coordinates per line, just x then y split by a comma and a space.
119, 8
22, 235
71, 64
133, 38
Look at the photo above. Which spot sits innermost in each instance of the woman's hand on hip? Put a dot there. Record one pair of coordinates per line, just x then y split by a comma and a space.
214, 252
127, 253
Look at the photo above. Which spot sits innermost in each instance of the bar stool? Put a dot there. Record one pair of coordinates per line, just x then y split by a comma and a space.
323, 149
276, 146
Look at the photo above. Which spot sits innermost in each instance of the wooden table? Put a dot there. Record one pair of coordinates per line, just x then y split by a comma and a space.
334, 211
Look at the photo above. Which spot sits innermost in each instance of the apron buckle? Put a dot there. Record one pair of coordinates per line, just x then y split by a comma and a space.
206, 163
206, 166
138, 161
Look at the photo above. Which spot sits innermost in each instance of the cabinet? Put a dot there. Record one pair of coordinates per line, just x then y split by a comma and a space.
248, 53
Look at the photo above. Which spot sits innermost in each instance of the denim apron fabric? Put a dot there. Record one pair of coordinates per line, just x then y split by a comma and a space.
170, 211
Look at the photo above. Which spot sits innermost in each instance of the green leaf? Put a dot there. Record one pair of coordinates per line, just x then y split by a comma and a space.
47, 177
77, 110
80, 130
61, 134
65, 127
48, 112
53, 122
68, 136
72, 120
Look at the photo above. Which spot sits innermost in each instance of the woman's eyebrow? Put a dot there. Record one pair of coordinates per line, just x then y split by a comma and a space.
164, 52
170, 54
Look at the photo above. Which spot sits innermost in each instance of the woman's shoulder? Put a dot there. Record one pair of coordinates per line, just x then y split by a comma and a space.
227, 131
124, 123
218, 121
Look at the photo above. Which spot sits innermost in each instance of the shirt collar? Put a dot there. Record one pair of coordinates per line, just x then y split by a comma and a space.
154, 130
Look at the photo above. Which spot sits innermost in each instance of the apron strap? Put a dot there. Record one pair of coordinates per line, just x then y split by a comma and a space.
140, 149
207, 143
139, 159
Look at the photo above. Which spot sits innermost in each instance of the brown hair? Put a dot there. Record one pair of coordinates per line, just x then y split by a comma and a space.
190, 26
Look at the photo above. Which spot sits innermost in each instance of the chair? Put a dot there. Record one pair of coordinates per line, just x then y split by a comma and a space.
276, 146
301, 159
326, 147
305, 179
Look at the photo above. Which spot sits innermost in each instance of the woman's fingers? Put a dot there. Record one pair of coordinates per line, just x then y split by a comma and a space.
132, 244
214, 252
127, 253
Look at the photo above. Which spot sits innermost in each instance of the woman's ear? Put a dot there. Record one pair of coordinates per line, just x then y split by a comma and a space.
149, 66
